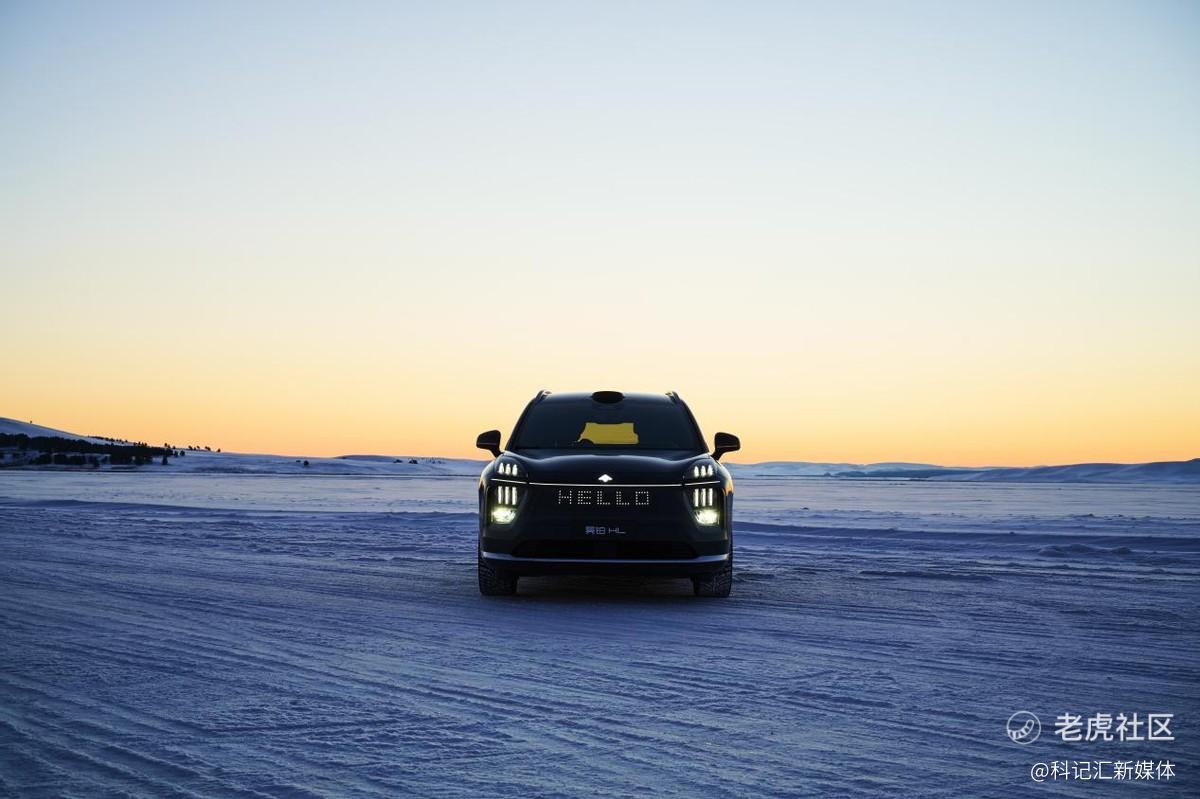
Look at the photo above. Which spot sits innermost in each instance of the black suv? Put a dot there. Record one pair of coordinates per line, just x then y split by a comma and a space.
606, 482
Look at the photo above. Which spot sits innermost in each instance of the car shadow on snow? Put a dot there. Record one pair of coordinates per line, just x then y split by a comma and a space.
564, 587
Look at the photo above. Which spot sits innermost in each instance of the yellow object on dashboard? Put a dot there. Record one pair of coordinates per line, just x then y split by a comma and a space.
616, 433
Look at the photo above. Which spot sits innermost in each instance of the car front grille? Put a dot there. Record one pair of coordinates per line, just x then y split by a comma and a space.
633, 501
606, 550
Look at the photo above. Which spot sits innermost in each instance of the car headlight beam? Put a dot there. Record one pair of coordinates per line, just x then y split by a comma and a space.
504, 503
705, 503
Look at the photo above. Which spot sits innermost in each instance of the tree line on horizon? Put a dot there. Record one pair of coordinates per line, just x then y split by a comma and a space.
58, 451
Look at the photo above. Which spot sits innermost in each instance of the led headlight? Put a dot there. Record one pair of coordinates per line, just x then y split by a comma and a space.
705, 503
508, 469
699, 471
504, 503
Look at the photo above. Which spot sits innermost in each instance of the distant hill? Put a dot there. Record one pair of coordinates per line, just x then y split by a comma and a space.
210, 462
809, 469
16, 428
26, 445
1157, 472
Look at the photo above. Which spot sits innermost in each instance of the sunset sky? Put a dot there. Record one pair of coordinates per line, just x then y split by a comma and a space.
958, 233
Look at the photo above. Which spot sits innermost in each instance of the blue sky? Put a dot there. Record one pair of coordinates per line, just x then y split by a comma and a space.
987, 209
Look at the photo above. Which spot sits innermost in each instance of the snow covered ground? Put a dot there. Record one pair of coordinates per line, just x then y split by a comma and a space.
278, 635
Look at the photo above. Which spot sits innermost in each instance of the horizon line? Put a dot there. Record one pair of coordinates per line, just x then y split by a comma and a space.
896, 462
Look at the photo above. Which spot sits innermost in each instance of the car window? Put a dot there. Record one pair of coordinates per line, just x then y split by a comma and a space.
594, 425
605, 433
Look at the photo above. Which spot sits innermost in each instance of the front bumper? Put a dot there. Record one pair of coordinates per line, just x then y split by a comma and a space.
699, 565
561, 528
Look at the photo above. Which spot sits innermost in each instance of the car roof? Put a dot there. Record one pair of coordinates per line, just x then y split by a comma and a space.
586, 396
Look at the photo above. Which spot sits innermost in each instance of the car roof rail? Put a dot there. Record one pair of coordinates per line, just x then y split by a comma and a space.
674, 397
541, 395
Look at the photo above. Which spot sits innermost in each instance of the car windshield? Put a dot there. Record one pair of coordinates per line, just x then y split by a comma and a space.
585, 424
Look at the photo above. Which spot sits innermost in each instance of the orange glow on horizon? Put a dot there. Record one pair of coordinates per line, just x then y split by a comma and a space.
919, 435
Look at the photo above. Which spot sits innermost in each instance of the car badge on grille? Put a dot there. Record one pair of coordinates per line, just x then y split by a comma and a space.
604, 478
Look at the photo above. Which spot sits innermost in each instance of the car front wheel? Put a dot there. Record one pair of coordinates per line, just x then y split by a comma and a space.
494, 582
717, 584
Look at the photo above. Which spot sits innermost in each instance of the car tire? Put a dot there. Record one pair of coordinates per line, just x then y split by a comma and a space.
717, 584
494, 582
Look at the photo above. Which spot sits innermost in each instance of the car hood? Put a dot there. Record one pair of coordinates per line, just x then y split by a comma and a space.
555, 466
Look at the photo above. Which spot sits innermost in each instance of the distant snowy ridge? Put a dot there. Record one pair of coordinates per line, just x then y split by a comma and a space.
203, 461
807, 469
1157, 472
374, 465
366, 464
13, 427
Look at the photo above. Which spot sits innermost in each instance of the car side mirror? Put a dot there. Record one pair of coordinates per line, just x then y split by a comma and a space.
489, 441
725, 442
